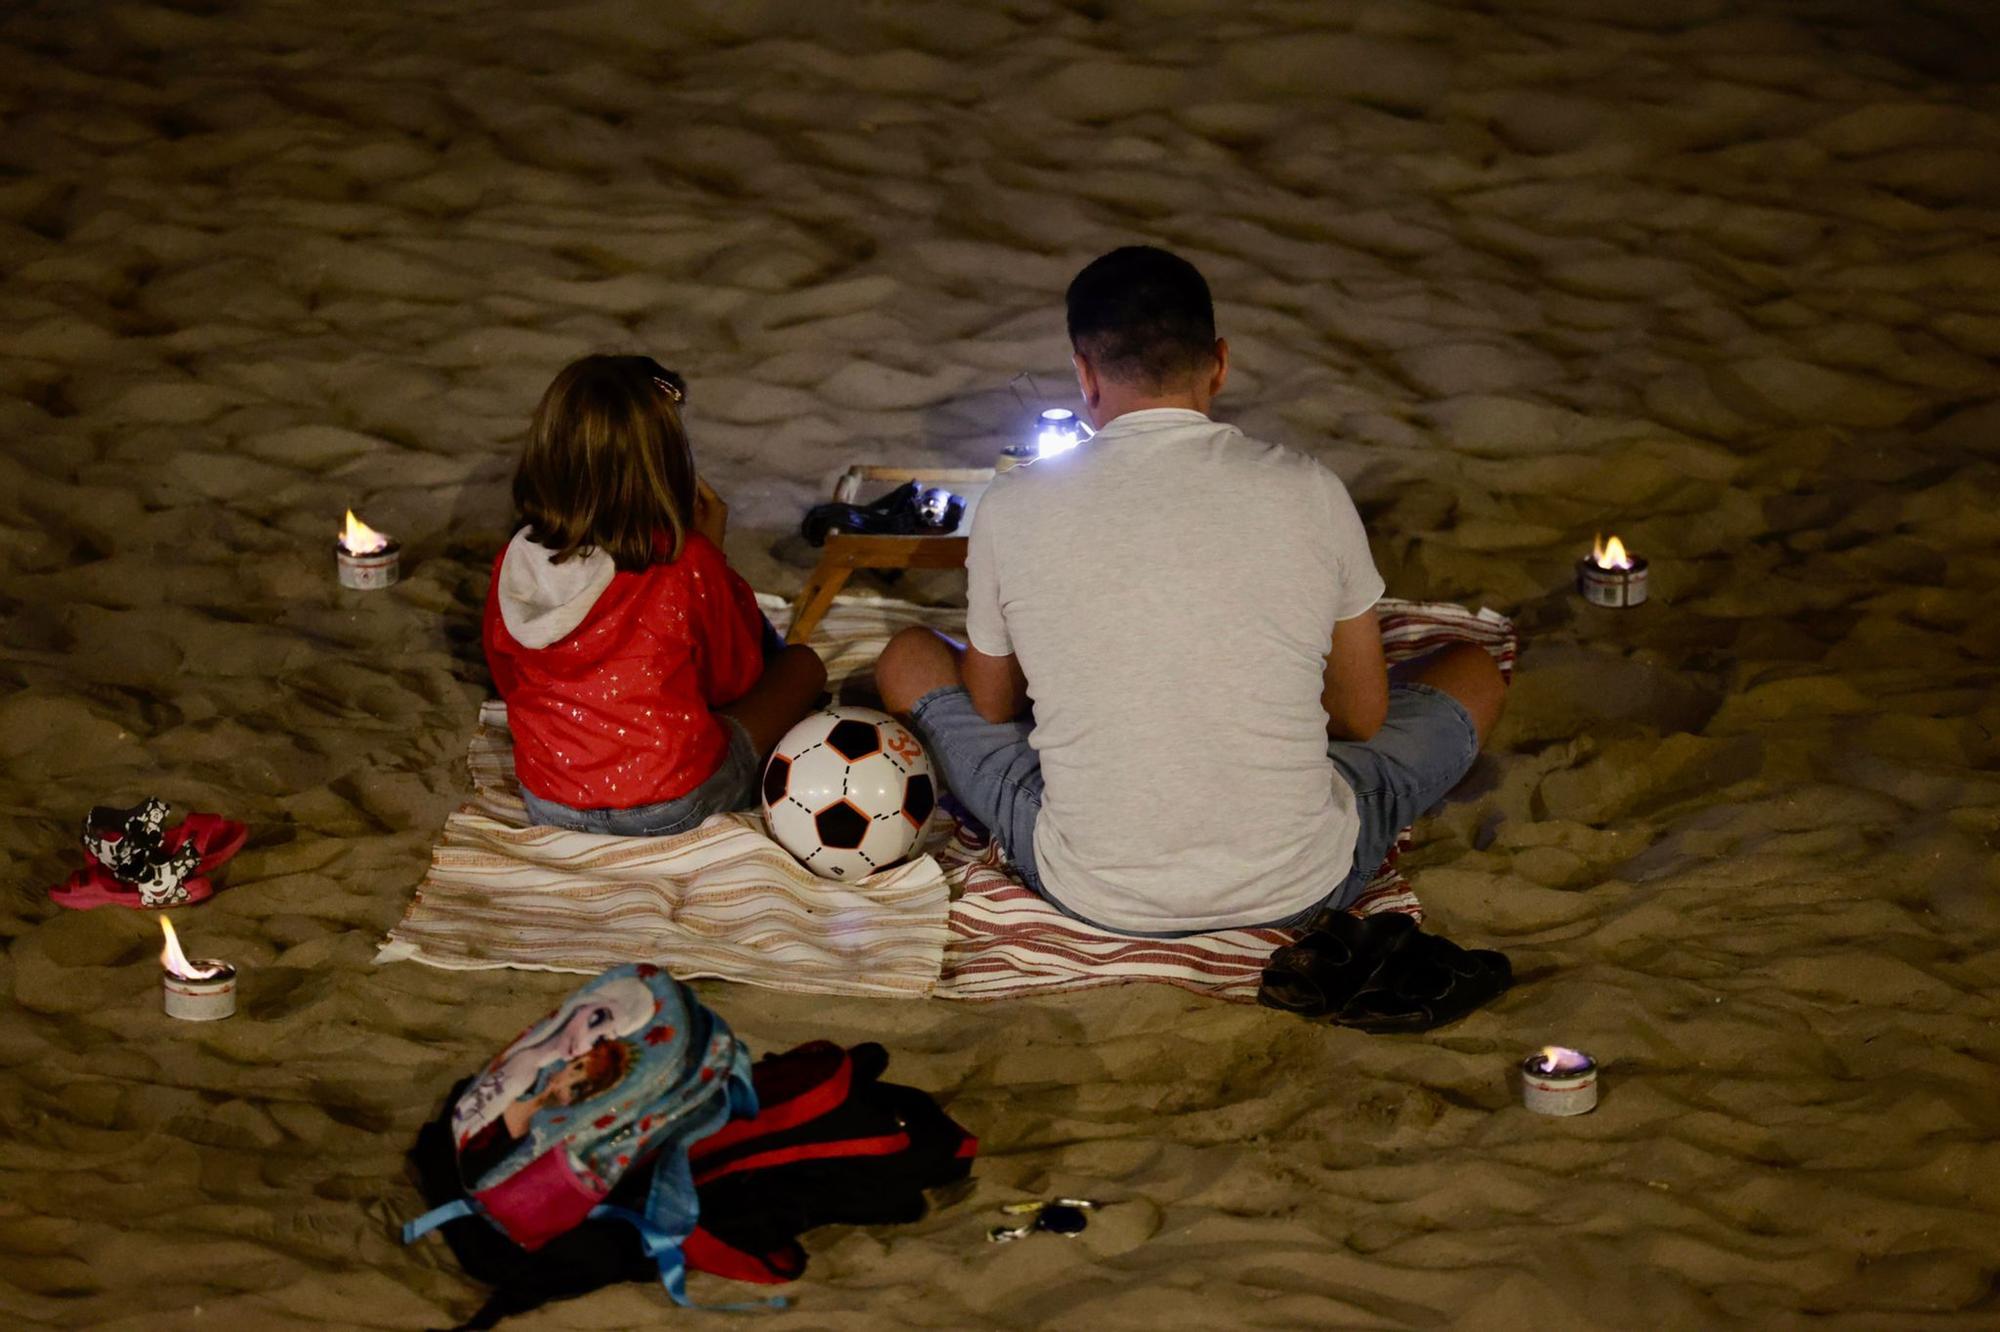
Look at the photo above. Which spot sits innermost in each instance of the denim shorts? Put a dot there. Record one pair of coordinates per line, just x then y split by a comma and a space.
730, 787
1425, 747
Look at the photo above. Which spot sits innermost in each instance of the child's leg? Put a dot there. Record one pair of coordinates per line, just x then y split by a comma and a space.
791, 684
773, 642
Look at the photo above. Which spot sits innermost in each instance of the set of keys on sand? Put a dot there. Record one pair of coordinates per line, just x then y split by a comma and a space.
1056, 1216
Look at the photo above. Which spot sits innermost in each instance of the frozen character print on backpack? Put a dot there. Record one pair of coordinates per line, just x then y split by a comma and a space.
615, 1006
591, 1074
614, 1086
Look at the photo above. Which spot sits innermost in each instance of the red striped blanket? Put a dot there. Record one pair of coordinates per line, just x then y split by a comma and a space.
1005, 941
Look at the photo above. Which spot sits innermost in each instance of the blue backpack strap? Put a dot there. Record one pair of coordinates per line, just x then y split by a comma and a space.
671, 1204
437, 1216
664, 1248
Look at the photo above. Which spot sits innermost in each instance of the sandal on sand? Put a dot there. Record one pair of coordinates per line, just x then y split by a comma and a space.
216, 838
1426, 982
93, 886
136, 862
122, 840
1320, 973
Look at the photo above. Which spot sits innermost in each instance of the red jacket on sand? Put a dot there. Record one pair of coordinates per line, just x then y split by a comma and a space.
610, 677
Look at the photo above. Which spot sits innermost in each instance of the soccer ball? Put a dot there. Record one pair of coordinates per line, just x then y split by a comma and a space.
847, 791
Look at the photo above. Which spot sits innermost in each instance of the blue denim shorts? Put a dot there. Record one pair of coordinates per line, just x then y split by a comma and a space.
990, 768
1426, 745
732, 786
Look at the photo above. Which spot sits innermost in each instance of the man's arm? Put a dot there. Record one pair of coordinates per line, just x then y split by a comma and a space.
999, 690
1355, 691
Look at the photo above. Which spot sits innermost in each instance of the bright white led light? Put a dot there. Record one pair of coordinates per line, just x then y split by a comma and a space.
1061, 432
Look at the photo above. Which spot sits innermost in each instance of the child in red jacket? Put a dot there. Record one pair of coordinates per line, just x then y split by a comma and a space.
644, 688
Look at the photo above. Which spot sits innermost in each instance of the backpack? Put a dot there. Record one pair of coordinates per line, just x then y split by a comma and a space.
588, 1116
832, 1144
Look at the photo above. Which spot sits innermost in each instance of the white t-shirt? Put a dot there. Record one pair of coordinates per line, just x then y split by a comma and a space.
1171, 588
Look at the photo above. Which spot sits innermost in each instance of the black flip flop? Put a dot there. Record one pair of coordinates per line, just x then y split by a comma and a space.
1318, 975
1425, 983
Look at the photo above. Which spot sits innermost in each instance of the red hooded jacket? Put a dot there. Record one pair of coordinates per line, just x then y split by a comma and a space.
610, 678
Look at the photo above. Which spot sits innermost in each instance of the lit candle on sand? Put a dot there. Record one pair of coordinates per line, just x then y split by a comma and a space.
194, 991
1559, 1081
1609, 576
365, 557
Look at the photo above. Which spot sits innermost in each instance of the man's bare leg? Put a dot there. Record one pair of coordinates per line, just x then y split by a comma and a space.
1468, 673
916, 661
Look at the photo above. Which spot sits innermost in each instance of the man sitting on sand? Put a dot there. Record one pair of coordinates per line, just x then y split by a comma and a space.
1173, 709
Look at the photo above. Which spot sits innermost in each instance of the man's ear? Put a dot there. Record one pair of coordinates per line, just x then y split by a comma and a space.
1086, 379
1221, 375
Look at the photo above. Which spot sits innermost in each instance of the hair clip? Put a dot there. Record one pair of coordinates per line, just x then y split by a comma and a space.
670, 385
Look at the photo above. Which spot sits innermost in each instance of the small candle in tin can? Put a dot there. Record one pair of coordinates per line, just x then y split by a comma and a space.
1013, 456
194, 991
366, 559
1609, 576
1557, 1081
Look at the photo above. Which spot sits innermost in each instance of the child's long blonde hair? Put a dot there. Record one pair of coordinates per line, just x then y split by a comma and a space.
608, 466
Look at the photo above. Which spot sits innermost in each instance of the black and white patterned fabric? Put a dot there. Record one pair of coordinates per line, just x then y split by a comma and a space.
130, 844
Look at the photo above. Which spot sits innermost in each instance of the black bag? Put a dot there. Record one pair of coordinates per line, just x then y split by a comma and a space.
901, 512
831, 1144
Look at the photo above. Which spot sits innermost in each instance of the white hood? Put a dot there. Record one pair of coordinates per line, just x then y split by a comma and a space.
542, 601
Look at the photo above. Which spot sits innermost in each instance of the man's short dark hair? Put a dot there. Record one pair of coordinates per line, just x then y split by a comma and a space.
1142, 316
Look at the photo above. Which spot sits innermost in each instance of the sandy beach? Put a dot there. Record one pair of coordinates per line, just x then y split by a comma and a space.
1720, 276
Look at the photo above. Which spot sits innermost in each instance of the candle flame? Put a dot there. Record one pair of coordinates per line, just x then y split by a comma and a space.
358, 538
1556, 1059
1609, 554
175, 961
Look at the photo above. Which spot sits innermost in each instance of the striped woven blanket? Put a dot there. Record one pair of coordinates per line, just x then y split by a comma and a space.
724, 900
